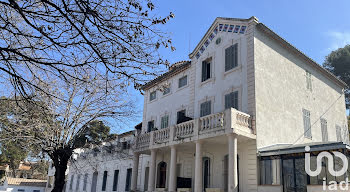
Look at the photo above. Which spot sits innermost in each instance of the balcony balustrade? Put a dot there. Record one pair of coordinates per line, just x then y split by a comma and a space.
228, 121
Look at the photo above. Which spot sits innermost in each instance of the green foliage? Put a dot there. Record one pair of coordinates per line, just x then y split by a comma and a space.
338, 62
12, 153
94, 133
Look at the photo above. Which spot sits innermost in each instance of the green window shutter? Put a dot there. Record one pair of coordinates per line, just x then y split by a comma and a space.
227, 101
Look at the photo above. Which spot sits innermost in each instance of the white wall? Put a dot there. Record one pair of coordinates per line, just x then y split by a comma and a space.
281, 94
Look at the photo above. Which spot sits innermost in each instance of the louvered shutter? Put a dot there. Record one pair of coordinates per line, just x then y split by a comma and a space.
228, 58
235, 56
204, 71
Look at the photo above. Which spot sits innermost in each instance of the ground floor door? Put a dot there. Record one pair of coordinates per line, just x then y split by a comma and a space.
94, 182
128, 179
145, 186
294, 177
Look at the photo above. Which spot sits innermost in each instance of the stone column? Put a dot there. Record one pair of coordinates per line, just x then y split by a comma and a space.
152, 170
232, 164
198, 182
135, 170
172, 175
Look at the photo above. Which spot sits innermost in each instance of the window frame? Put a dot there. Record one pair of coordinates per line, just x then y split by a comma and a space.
115, 180
209, 101
308, 76
208, 61
184, 76
155, 95
235, 65
104, 180
238, 99
162, 123
324, 130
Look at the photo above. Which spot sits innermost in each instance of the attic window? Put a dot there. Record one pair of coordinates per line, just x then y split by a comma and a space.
231, 28
243, 28
220, 27
225, 27
237, 28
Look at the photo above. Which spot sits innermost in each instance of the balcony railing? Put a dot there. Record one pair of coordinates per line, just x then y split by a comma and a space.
217, 124
184, 130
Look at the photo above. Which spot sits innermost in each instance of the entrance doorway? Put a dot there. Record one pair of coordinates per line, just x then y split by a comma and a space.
94, 181
161, 175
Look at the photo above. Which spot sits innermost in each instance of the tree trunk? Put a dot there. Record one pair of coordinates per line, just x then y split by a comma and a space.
60, 160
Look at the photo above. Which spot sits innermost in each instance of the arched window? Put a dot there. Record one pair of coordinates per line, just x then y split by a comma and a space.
206, 172
161, 175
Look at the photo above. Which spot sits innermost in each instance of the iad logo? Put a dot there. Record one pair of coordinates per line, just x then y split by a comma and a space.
329, 156
332, 186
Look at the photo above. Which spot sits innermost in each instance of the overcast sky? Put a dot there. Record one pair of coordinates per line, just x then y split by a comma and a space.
316, 27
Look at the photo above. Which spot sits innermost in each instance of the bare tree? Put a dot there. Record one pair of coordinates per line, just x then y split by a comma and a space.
54, 125
42, 39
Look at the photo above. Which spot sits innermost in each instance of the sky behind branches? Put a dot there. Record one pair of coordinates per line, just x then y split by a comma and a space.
315, 27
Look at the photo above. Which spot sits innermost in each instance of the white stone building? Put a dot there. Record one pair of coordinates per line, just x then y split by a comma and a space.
103, 168
237, 116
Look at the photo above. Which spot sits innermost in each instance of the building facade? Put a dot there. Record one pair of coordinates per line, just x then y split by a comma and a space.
220, 121
236, 117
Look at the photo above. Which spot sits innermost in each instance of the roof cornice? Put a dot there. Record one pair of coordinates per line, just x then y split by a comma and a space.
213, 25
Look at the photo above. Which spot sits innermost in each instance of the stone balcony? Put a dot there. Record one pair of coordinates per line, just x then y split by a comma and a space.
226, 122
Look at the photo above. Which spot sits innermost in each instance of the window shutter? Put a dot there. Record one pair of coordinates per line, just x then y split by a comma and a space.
324, 130
204, 70
235, 100
307, 124
228, 57
227, 101
235, 57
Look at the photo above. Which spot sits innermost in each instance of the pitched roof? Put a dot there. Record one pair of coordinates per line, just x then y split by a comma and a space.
296, 51
174, 69
26, 182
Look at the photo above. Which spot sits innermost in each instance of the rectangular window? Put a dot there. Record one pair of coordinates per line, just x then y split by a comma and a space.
206, 72
20, 190
270, 173
150, 126
71, 182
164, 122
153, 95
338, 132
104, 181
324, 130
78, 183
307, 124
183, 81
85, 182
181, 116
205, 108
36, 190
166, 90
231, 100
231, 57
308, 81
128, 179
115, 180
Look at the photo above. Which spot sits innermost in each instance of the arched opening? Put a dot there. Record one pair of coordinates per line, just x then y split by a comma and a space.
206, 172
161, 175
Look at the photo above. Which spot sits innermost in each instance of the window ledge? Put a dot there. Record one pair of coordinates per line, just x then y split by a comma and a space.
153, 100
212, 79
239, 67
